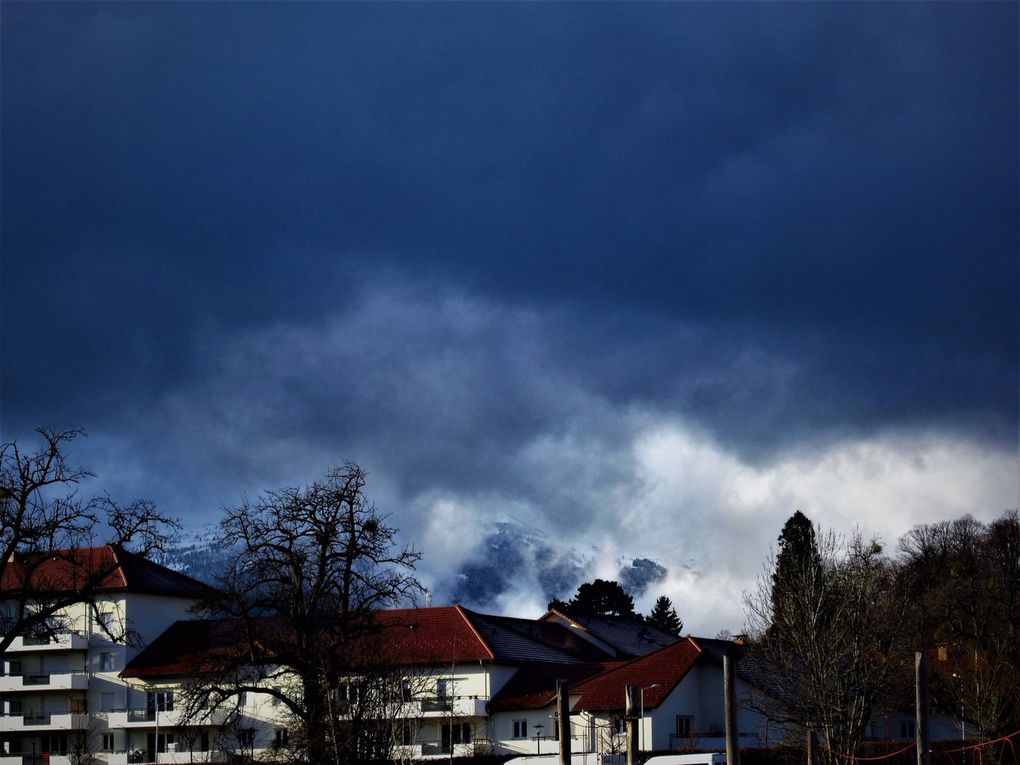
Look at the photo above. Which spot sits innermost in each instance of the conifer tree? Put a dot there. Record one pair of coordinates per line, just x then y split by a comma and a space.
664, 617
798, 561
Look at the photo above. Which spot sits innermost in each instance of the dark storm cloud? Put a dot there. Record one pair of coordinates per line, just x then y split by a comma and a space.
776, 219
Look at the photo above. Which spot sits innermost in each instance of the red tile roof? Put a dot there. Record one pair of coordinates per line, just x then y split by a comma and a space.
408, 636
534, 686
188, 648
439, 635
665, 668
101, 569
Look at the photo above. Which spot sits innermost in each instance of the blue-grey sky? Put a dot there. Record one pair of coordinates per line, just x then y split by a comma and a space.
639, 278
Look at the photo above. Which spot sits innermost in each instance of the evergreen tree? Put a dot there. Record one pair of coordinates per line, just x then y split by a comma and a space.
664, 617
797, 562
598, 598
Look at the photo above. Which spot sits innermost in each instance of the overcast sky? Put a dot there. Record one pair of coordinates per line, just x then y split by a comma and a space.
641, 279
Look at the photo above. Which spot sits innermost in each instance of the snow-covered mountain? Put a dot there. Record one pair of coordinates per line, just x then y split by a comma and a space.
196, 553
513, 558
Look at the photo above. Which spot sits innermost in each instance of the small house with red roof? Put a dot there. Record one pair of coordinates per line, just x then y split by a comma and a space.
680, 698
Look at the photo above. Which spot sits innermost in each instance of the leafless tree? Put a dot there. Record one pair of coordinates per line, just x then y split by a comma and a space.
835, 640
46, 529
963, 582
82, 741
311, 567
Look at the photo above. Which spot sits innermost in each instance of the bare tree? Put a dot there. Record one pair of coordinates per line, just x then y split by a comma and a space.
963, 581
47, 530
311, 567
835, 638
83, 740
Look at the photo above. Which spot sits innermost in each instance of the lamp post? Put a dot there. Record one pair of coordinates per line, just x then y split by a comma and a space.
641, 723
538, 738
963, 723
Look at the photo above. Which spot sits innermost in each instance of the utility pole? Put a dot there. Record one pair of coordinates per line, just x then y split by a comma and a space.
812, 747
921, 723
730, 705
563, 719
630, 717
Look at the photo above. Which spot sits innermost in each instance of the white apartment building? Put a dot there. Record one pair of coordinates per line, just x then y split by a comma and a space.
61, 694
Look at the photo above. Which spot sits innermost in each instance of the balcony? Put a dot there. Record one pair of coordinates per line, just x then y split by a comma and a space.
56, 681
140, 756
430, 749
450, 706
64, 641
150, 718
40, 722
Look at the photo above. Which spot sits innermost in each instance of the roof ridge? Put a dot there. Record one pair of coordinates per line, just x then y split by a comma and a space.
474, 630
117, 566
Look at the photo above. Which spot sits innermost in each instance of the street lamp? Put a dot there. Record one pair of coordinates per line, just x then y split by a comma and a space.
641, 723
538, 738
963, 723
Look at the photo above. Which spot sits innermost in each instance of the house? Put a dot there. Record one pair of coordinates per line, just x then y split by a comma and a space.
451, 661
60, 690
457, 682
680, 700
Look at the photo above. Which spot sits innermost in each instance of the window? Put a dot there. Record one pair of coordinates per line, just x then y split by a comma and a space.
203, 741
106, 701
166, 742
908, 729
683, 726
159, 701
107, 742
405, 736
444, 688
405, 690
279, 738
107, 662
619, 725
55, 744
106, 620
457, 733
520, 728
246, 737
242, 699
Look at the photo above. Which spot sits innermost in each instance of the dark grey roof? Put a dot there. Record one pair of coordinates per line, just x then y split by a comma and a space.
749, 666
143, 575
526, 640
630, 637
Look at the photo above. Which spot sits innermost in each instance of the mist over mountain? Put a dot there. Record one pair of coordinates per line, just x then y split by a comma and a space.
513, 559
518, 560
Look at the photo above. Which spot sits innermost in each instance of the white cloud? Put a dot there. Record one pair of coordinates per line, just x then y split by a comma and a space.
467, 412
711, 518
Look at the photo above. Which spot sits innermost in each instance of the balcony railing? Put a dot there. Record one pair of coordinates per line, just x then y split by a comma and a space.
59, 641
65, 681
440, 704
456, 706
35, 720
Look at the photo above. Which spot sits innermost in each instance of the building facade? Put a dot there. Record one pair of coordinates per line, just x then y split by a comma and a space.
62, 699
